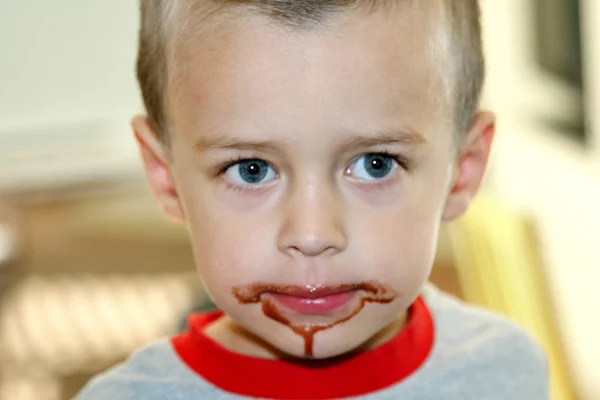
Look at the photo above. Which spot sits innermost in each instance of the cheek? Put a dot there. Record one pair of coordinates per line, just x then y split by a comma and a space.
401, 245
408, 252
228, 251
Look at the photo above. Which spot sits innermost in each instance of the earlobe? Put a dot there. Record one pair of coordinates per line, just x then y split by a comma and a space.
472, 161
157, 168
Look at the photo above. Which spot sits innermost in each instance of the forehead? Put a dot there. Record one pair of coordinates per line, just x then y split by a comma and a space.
243, 70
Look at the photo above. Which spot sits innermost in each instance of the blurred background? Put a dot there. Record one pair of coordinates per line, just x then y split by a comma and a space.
90, 270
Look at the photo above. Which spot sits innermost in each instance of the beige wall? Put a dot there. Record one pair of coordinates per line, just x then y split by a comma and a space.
65, 60
67, 90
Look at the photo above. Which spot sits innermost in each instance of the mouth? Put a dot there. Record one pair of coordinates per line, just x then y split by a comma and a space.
313, 300
313, 303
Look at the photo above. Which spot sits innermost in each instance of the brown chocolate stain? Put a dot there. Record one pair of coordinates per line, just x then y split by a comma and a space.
252, 294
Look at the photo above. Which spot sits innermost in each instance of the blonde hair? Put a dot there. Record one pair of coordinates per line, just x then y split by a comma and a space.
153, 63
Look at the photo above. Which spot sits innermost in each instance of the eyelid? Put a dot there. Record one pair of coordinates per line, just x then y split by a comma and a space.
399, 158
222, 167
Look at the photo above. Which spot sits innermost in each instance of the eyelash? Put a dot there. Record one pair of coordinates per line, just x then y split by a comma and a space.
235, 160
402, 162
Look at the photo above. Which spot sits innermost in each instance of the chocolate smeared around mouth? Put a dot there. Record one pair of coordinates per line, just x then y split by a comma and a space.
374, 292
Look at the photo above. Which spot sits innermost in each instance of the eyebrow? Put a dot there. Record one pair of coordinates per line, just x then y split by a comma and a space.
384, 137
232, 142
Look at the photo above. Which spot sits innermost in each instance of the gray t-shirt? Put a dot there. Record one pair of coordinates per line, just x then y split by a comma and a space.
476, 355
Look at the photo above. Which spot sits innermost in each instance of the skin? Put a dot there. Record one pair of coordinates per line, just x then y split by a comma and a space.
312, 104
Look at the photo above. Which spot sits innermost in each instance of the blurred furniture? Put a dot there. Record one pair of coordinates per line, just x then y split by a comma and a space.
102, 274
499, 267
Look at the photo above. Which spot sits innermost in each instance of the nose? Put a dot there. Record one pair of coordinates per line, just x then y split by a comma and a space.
312, 223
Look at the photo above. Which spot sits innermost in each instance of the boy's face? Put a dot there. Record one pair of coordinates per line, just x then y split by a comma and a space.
349, 133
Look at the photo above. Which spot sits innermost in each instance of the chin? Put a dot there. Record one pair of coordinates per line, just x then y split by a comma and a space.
326, 344
334, 344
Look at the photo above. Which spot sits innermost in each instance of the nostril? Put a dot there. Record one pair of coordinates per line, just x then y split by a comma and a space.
312, 249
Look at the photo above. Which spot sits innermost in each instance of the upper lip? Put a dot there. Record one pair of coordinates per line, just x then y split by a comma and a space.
310, 292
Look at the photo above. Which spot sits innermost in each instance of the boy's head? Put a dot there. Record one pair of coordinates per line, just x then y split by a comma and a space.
311, 144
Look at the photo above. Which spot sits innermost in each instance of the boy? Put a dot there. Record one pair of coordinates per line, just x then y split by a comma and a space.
312, 149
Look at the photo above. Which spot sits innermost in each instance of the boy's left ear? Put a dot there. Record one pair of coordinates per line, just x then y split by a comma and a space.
473, 156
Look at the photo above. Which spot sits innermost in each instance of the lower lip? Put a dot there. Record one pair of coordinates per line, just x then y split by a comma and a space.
321, 305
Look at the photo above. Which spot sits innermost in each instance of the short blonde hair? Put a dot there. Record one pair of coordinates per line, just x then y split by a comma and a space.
153, 53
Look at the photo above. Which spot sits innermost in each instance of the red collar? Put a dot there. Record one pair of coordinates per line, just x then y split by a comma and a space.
278, 379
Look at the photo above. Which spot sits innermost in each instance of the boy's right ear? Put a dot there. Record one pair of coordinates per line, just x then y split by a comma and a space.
157, 168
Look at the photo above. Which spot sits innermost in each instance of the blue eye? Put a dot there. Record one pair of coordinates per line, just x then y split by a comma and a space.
250, 172
371, 167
